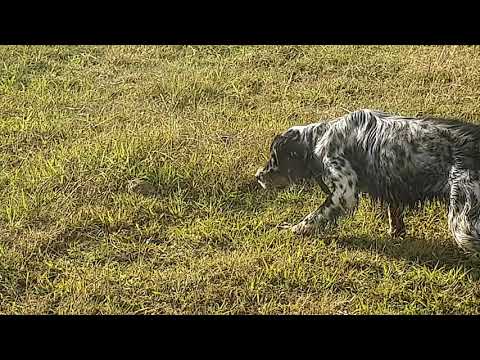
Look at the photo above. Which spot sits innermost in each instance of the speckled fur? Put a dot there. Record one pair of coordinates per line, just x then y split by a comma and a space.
397, 160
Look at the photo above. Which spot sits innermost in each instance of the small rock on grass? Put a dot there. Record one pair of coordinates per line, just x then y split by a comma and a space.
141, 186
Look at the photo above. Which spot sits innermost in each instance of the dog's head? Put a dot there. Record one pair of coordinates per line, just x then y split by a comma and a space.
288, 161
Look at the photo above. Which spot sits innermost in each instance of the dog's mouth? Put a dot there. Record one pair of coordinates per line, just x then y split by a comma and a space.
262, 184
259, 177
268, 181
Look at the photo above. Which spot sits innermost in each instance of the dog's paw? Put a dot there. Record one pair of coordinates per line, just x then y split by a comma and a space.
284, 225
303, 228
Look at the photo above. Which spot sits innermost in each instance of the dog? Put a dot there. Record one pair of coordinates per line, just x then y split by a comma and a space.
399, 161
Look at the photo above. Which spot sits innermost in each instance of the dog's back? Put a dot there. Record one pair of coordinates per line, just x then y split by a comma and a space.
414, 156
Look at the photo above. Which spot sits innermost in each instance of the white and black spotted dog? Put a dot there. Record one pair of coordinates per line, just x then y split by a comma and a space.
397, 160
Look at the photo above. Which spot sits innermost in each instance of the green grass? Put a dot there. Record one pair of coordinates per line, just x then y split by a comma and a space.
79, 123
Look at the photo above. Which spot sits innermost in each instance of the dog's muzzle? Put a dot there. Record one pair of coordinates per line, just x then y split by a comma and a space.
259, 177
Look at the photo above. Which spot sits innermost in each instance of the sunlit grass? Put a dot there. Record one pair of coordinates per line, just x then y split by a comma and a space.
78, 124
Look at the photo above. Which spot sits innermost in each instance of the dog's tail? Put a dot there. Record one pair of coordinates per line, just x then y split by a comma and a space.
464, 210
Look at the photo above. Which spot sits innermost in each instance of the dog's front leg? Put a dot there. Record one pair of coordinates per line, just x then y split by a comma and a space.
341, 181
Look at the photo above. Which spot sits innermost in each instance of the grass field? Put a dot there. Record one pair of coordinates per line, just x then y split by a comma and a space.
195, 234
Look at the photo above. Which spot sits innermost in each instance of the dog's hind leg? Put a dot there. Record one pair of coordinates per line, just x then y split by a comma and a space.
395, 220
464, 209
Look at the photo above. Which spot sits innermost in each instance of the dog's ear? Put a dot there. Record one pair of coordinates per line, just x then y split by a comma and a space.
275, 141
293, 144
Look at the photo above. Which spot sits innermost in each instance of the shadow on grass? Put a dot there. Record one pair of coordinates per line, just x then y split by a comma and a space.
440, 254
416, 250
